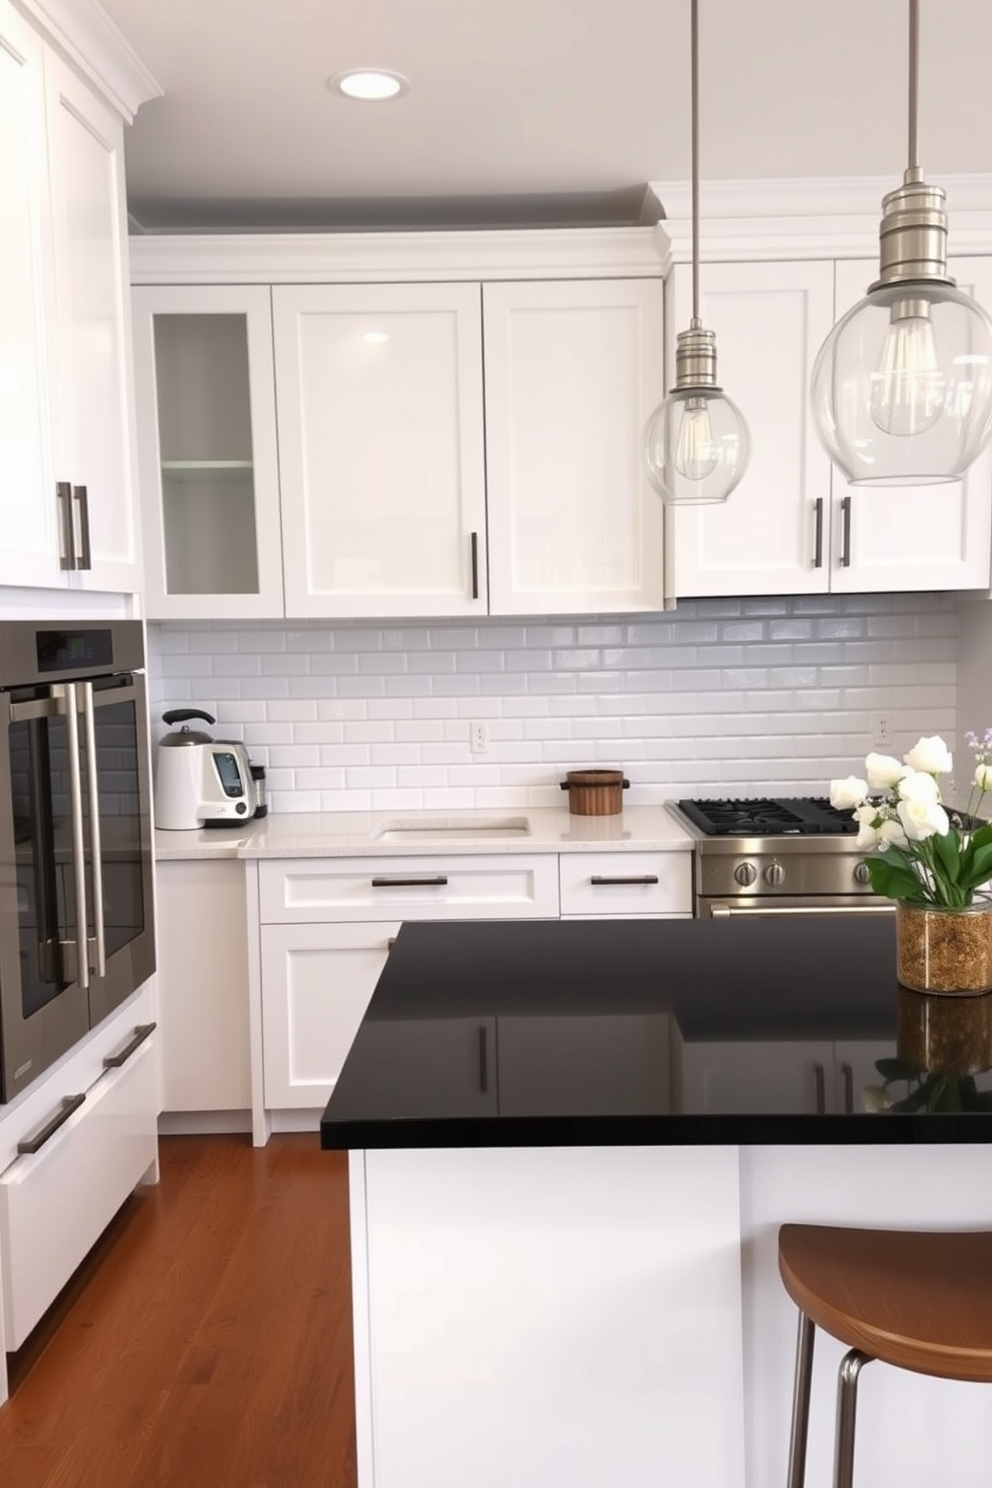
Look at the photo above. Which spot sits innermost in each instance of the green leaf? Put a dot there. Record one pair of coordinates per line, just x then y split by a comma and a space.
947, 852
894, 881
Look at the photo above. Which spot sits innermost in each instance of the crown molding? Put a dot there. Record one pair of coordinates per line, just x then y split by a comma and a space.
84, 32
828, 217
276, 258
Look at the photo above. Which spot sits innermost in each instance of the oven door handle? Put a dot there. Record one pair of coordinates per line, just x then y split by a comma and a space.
96, 844
68, 692
731, 911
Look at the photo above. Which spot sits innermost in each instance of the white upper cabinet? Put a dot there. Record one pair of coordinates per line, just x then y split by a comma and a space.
772, 535
573, 369
207, 451
94, 450
29, 535
66, 496
914, 537
381, 449
794, 525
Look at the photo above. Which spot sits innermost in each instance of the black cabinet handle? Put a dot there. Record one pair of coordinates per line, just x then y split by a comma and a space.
143, 1031
33, 1144
390, 942
475, 565
845, 555
847, 1075
483, 1060
80, 494
818, 533
434, 881
820, 1079
642, 878
63, 496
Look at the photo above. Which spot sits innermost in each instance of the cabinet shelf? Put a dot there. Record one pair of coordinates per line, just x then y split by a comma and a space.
190, 471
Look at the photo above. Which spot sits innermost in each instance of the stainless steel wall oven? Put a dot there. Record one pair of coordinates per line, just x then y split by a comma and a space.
76, 927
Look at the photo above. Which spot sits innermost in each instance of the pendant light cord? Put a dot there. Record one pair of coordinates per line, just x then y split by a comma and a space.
913, 172
694, 107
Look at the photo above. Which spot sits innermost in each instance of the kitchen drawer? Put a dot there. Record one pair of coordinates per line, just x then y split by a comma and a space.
626, 883
56, 1202
512, 886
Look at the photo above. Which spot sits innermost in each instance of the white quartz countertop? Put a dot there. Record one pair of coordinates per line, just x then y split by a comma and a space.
333, 834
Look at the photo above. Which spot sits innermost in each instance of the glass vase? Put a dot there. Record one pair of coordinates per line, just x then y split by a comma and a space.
946, 951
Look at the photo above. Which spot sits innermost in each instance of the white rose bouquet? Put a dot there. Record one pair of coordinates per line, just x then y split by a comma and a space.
920, 851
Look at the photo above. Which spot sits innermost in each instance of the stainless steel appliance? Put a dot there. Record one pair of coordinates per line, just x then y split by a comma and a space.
200, 781
785, 856
76, 927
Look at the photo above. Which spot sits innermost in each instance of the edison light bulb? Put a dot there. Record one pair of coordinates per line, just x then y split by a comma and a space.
696, 453
908, 388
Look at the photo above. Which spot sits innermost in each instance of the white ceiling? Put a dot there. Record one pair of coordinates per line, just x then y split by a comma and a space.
543, 99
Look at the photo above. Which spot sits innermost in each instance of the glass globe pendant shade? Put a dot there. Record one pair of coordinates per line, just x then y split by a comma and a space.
902, 386
696, 447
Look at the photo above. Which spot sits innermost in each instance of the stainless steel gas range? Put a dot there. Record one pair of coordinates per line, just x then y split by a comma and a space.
783, 856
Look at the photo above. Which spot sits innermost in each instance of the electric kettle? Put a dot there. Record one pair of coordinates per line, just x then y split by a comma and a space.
200, 781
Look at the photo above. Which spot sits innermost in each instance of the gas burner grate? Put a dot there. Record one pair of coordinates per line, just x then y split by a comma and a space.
801, 816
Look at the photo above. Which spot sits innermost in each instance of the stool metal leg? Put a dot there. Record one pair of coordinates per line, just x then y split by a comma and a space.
800, 1401
847, 1405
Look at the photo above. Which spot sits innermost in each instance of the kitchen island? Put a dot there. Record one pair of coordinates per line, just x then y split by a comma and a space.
564, 1260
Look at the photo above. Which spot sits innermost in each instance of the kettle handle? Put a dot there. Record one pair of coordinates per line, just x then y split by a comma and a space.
183, 715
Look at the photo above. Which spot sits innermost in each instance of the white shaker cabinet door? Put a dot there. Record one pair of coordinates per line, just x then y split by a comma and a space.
379, 395
317, 981
913, 537
573, 370
94, 427
772, 535
29, 536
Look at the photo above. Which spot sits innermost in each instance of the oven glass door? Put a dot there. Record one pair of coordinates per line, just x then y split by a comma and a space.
75, 865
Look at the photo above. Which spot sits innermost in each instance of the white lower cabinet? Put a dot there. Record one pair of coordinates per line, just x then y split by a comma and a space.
317, 981
325, 928
203, 992
72, 1150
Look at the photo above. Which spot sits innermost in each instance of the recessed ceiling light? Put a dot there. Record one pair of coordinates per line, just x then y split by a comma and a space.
370, 84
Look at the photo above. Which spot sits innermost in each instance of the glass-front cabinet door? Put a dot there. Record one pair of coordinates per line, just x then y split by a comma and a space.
207, 451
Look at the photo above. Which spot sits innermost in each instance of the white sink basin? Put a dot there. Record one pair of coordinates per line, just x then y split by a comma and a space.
452, 829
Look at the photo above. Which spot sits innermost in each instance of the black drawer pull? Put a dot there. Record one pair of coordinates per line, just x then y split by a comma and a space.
643, 878
435, 881
114, 1061
33, 1144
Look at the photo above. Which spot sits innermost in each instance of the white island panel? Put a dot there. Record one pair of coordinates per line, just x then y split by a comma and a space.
539, 1316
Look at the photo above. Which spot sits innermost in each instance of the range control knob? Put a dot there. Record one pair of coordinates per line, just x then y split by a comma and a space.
861, 874
745, 874
774, 874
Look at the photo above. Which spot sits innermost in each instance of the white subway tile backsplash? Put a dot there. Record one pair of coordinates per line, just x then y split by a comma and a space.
717, 696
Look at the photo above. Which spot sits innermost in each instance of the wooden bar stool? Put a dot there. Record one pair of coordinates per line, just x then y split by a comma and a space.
919, 1300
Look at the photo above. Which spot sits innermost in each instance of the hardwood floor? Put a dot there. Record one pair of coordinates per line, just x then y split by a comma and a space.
206, 1341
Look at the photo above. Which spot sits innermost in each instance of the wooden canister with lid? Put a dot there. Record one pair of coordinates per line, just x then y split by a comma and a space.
595, 792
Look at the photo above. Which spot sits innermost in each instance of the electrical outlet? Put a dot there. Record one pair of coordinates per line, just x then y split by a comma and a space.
478, 737
881, 730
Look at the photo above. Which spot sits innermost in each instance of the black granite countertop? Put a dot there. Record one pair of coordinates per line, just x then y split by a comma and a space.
547, 1032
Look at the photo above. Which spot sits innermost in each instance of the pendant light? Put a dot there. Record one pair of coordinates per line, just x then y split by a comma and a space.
696, 441
902, 386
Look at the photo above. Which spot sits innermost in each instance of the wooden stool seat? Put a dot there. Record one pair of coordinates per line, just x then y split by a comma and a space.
917, 1299
921, 1300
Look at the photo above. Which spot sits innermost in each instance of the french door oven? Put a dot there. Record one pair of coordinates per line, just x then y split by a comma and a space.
76, 929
